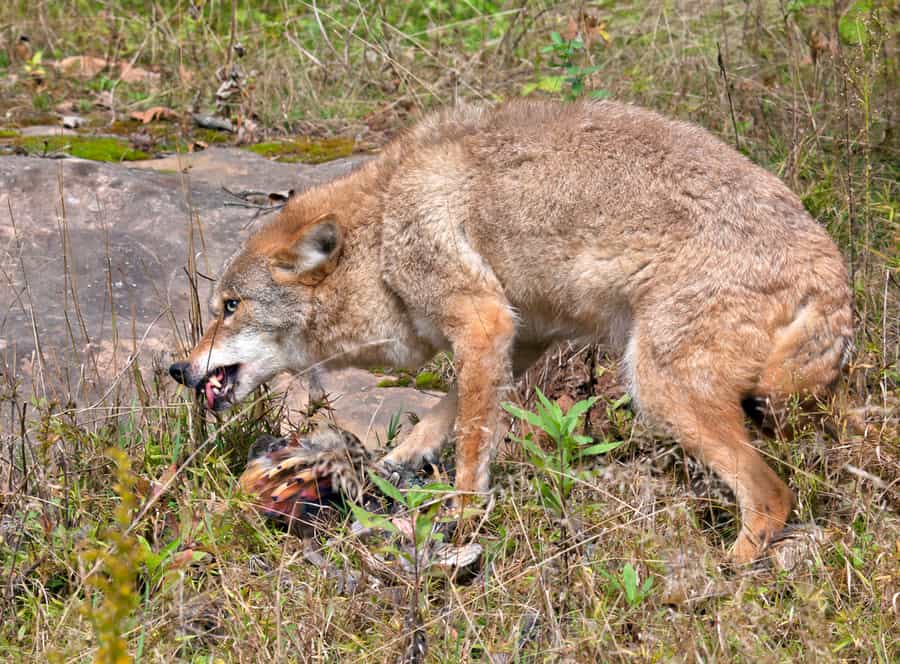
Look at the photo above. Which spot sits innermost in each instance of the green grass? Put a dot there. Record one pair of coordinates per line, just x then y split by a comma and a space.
213, 581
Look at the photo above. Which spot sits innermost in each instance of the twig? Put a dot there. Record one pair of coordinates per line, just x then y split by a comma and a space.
862, 474
737, 141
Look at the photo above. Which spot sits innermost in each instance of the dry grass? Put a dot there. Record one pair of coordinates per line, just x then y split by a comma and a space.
214, 582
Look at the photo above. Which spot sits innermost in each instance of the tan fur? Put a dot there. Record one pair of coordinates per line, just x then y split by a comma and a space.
496, 232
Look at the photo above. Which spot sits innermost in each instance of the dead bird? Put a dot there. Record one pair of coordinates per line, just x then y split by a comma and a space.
293, 476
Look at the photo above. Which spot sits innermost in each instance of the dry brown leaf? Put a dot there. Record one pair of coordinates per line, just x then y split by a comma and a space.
183, 559
589, 26
131, 74
104, 99
83, 66
66, 107
161, 485
185, 74
155, 113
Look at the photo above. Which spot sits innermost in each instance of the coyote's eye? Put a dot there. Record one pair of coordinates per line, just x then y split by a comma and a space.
231, 306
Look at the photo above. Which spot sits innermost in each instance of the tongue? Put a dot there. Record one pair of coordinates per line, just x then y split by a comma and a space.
210, 397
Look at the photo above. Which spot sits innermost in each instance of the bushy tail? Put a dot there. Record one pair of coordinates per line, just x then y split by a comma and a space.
808, 354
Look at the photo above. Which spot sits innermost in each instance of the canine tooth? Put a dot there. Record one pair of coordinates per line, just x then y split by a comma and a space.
214, 381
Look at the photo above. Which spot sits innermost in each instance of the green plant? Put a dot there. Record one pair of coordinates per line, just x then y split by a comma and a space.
570, 448
628, 584
573, 74
421, 504
420, 511
393, 430
115, 565
34, 67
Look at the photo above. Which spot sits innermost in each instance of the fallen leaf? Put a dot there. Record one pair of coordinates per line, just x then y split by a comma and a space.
405, 526
155, 113
83, 66
104, 99
182, 559
131, 74
161, 485
66, 107
185, 74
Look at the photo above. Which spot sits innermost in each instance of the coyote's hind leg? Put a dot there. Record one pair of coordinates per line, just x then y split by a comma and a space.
713, 430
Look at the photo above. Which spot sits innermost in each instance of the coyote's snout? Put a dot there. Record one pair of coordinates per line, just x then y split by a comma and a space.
496, 233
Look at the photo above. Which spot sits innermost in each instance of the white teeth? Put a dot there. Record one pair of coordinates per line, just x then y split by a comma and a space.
214, 381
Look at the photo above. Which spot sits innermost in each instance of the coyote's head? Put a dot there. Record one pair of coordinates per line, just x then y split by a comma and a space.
264, 305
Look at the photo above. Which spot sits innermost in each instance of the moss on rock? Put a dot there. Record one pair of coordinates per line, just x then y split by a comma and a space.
95, 148
305, 150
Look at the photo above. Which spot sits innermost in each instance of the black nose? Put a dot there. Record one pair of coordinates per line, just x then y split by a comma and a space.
179, 371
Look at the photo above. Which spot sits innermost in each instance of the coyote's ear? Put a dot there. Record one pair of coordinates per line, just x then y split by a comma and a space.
311, 255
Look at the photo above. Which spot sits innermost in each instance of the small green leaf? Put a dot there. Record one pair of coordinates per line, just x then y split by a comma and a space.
551, 84
369, 520
601, 448
425, 524
387, 488
581, 407
629, 581
543, 398
532, 418
623, 400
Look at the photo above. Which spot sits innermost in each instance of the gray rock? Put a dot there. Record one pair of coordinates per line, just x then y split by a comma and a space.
94, 260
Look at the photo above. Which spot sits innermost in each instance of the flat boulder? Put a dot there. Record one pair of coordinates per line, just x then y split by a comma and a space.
95, 258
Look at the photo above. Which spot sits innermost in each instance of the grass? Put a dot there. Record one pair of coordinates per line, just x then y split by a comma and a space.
812, 102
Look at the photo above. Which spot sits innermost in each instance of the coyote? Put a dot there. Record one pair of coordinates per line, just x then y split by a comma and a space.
496, 232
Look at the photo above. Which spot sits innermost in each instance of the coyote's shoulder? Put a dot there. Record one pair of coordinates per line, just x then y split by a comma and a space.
496, 232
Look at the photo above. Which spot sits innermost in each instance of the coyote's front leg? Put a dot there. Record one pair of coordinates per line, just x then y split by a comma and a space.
481, 329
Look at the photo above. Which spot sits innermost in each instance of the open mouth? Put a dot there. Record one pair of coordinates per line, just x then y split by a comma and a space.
217, 389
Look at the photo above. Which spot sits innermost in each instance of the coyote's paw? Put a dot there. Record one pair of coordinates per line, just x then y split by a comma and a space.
407, 458
421, 446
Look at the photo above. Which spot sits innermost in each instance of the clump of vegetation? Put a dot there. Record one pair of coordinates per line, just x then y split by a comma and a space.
567, 450
114, 565
570, 83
